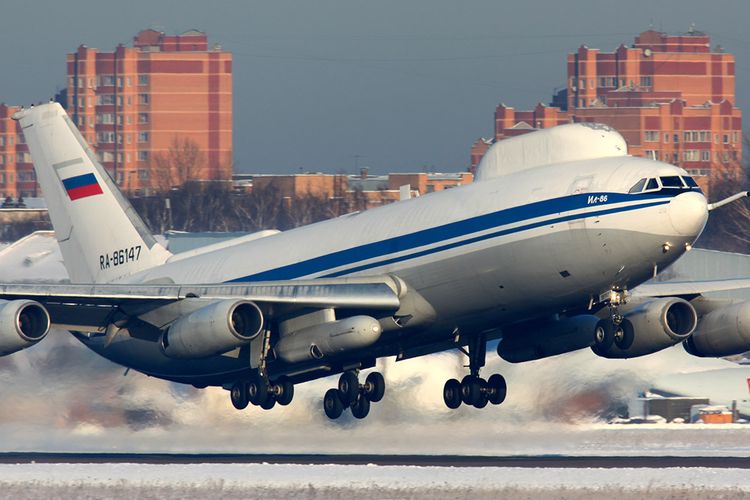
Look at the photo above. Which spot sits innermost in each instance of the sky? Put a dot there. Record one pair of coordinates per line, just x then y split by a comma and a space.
333, 85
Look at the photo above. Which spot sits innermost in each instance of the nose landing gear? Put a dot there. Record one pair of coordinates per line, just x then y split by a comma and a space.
473, 390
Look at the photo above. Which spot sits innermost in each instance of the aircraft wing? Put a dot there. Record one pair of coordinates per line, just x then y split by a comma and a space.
688, 288
91, 306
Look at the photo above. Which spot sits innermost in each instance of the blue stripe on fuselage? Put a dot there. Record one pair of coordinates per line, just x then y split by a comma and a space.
456, 229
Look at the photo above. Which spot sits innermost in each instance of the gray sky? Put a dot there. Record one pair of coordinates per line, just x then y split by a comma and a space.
405, 84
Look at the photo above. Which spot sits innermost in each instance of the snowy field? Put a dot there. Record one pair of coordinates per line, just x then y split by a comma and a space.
366, 482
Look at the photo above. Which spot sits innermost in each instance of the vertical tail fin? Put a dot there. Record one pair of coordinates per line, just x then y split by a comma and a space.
101, 236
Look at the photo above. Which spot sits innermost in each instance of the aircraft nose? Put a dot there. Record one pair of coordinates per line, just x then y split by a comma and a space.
688, 213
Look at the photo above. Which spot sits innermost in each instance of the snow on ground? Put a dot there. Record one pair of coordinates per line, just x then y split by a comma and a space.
345, 481
59, 396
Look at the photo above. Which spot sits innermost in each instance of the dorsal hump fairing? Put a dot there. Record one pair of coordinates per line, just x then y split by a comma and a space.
101, 237
560, 144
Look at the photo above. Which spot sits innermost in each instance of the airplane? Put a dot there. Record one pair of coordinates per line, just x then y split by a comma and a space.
544, 251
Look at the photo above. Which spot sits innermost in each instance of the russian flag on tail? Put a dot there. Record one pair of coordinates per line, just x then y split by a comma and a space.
81, 186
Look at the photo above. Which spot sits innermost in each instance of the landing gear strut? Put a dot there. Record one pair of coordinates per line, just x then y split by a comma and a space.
351, 394
473, 390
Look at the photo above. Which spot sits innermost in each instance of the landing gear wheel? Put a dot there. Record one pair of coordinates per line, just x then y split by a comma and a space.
483, 400
624, 335
604, 336
497, 389
332, 404
375, 387
286, 394
238, 394
349, 388
257, 392
360, 407
269, 403
452, 394
471, 390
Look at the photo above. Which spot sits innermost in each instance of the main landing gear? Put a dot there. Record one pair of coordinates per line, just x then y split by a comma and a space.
473, 390
261, 393
615, 329
351, 394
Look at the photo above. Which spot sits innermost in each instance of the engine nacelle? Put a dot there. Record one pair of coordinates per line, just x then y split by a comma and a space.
23, 323
542, 339
328, 339
651, 326
214, 329
722, 332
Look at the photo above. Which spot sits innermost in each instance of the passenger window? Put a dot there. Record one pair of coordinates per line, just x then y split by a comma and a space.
638, 187
652, 185
672, 182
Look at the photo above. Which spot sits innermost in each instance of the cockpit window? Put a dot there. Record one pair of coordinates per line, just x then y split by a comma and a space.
638, 186
652, 185
690, 182
672, 182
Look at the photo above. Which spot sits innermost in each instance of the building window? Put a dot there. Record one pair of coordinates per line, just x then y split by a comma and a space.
675, 158
129, 81
119, 101
142, 175
734, 137
129, 138
142, 117
705, 155
119, 81
651, 135
666, 138
105, 99
694, 136
582, 83
602, 81
142, 79
108, 80
105, 118
704, 136
651, 154
686, 136
716, 138
690, 155
143, 137
142, 155
142, 98
2, 141
726, 138
676, 138
646, 81
105, 137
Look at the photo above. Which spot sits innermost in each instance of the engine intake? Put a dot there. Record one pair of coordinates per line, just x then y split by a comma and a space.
23, 323
651, 326
214, 329
722, 332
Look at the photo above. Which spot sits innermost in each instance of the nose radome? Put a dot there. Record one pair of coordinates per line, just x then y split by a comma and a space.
688, 213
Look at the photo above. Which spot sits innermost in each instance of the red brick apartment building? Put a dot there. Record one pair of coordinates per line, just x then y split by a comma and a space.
133, 104
671, 96
17, 177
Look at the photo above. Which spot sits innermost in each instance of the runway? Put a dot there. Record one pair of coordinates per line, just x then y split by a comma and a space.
542, 461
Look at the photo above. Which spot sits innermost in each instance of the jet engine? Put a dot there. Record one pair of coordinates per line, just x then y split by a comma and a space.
651, 326
214, 329
540, 339
722, 332
23, 323
328, 339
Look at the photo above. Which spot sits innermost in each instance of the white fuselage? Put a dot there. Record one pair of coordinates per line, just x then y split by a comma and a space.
532, 243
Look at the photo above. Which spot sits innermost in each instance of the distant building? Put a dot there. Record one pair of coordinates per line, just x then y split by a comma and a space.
671, 97
137, 103
366, 190
17, 177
